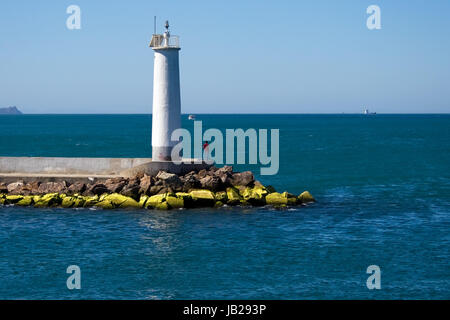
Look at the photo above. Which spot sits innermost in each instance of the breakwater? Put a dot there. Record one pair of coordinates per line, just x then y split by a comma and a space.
211, 187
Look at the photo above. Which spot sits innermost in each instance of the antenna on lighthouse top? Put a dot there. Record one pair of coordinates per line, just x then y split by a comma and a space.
154, 25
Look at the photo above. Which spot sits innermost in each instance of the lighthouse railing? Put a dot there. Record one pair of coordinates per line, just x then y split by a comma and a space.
158, 41
174, 41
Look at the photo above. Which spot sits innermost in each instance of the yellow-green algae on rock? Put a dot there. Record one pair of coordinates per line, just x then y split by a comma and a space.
90, 201
121, 201
115, 200
183, 195
233, 196
276, 199
13, 199
281, 199
218, 204
47, 200
221, 199
73, 201
25, 201
255, 196
239, 195
166, 201
187, 199
158, 202
105, 204
203, 198
221, 196
16, 200
174, 202
142, 200
306, 197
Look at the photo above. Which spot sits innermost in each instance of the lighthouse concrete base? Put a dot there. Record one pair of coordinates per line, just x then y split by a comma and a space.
152, 168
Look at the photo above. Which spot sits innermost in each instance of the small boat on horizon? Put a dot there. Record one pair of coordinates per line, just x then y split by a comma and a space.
366, 111
191, 117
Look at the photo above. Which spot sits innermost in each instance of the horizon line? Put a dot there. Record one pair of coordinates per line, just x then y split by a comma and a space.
252, 113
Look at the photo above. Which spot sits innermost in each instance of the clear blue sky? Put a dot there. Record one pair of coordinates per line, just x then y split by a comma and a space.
237, 56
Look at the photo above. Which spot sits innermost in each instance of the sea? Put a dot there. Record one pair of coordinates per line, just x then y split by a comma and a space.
382, 184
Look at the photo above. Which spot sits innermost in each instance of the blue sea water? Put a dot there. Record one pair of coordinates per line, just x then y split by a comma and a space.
383, 189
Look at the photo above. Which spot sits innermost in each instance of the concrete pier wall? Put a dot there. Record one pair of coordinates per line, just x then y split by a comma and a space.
77, 166
86, 169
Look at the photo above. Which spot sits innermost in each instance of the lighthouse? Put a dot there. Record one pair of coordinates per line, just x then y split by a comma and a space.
166, 115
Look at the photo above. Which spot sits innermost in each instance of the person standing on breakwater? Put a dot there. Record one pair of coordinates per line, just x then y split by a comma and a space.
205, 150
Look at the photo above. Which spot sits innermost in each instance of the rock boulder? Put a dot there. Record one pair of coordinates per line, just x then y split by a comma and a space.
213, 183
306, 197
53, 187
170, 180
115, 185
96, 189
145, 185
242, 178
15, 187
3, 188
76, 188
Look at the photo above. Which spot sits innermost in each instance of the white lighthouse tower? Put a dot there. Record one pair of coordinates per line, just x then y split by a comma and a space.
166, 94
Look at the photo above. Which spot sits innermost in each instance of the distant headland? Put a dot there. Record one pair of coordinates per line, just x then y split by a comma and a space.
10, 110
